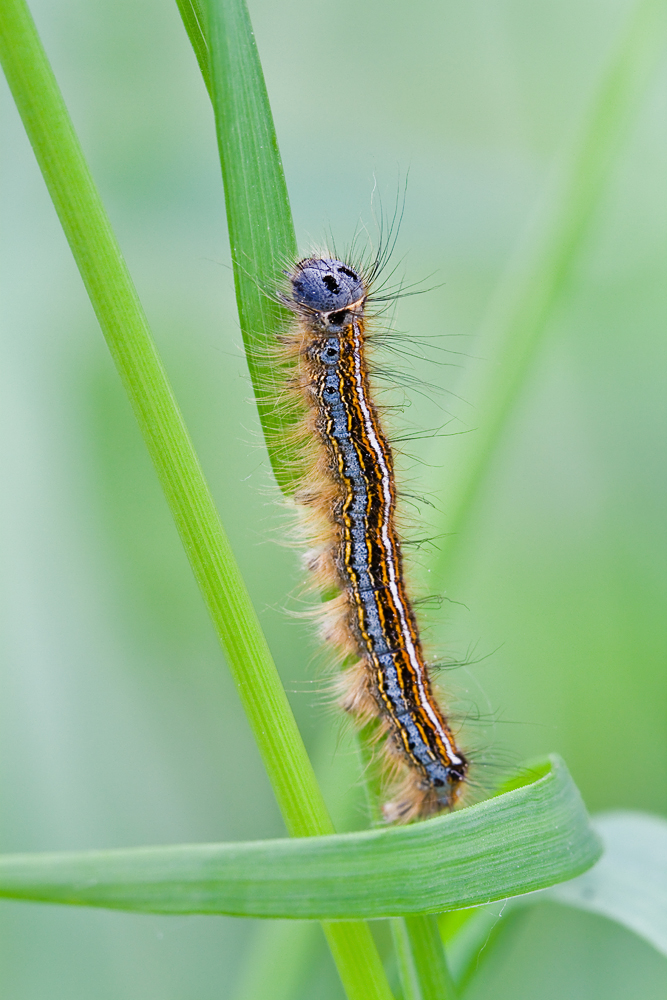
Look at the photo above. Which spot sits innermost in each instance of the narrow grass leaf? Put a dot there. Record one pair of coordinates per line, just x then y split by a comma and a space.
522, 840
261, 231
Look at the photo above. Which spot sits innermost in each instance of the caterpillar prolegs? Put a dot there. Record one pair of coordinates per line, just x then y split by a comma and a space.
348, 502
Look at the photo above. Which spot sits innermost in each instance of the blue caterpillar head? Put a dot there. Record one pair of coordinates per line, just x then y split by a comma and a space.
326, 286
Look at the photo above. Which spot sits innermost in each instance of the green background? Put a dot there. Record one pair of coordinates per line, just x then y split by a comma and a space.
119, 723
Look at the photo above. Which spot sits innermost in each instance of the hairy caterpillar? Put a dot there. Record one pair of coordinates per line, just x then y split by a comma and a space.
348, 501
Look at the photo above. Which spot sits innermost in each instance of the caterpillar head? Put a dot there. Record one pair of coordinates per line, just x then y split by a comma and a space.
328, 290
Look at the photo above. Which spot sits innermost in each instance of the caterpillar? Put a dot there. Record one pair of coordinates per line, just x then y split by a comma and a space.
347, 499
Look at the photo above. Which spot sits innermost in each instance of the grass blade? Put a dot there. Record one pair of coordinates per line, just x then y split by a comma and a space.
261, 231
527, 838
259, 216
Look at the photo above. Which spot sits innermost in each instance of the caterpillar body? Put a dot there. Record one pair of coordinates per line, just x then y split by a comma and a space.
348, 502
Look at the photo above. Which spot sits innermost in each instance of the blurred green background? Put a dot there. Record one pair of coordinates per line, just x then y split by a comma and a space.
119, 723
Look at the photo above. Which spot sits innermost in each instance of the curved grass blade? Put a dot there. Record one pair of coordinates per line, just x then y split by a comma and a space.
536, 280
517, 842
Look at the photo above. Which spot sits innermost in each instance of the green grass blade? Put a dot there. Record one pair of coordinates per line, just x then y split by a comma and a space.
193, 16
261, 231
517, 842
259, 216
125, 327
421, 957
527, 297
